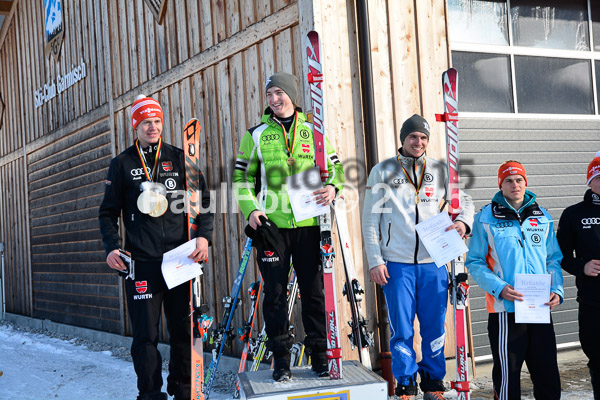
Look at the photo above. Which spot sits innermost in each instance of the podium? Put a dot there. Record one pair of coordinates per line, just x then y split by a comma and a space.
358, 383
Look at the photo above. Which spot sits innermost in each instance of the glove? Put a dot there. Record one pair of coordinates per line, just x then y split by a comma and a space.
266, 236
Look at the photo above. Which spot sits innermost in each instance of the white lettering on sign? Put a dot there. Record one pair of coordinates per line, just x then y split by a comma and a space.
60, 84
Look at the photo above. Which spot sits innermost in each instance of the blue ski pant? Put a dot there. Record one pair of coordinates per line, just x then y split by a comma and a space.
421, 290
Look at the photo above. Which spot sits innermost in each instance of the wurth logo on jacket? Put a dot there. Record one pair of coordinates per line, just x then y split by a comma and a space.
269, 257
142, 287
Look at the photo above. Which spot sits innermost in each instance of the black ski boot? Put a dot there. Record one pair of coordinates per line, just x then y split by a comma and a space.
320, 366
281, 370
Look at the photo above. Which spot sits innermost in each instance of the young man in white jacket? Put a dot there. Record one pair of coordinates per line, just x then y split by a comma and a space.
401, 192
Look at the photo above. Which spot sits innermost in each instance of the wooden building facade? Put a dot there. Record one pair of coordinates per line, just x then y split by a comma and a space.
65, 115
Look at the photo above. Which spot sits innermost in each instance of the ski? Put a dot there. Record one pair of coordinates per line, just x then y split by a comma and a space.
245, 333
459, 287
360, 337
198, 322
315, 81
223, 335
258, 347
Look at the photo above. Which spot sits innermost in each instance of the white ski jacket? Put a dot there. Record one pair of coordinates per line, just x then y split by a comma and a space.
390, 211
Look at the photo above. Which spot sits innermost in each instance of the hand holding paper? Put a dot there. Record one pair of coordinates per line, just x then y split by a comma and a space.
443, 245
177, 267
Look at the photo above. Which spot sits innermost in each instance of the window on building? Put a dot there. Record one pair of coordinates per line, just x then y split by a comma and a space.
526, 56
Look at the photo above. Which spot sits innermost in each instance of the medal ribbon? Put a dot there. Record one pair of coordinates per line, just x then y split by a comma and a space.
290, 151
417, 187
143, 159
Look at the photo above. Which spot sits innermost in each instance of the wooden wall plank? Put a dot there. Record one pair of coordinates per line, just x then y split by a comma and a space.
218, 267
247, 12
182, 29
433, 61
101, 62
404, 64
193, 28
112, 27
232, 14
125, 46
169, 24
134, 38
219, 21
150, 45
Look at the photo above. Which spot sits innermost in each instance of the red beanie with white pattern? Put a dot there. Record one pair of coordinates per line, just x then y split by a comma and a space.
594, 168
143, 108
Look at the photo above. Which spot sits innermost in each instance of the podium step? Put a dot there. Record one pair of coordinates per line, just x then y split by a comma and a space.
358, 383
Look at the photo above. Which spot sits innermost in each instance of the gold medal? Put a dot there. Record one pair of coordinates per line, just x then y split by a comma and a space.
291, 161
161, 206
147, 201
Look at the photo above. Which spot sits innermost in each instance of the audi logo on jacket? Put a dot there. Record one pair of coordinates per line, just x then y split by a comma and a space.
579, 239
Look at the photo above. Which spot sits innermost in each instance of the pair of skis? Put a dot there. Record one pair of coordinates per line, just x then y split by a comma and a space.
459, 287
223, 335
360, 337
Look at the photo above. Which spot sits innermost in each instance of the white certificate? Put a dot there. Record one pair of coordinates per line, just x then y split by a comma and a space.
177, 268
300, 188
535, 289
442, 246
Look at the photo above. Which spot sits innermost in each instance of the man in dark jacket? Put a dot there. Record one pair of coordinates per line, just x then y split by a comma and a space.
579, 239
146, 184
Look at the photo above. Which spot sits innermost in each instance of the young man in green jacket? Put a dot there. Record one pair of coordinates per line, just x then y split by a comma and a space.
282, 146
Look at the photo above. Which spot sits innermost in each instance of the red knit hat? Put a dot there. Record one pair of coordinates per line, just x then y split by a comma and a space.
594, 168
143, 108
510, 168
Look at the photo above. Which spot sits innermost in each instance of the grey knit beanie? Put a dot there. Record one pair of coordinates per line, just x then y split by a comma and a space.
416, 123
285, 81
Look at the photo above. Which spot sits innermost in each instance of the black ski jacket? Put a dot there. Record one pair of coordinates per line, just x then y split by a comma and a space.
146, 237
579, 239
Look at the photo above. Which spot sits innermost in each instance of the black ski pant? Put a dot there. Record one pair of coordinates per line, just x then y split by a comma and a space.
302, 245
589, 326
145, 296
513, 343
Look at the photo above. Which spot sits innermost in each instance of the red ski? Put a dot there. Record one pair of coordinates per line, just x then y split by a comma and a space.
191, 147
315, 80
459, 287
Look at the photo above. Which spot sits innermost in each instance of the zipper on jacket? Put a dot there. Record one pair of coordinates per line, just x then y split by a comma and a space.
416, 258
389, 234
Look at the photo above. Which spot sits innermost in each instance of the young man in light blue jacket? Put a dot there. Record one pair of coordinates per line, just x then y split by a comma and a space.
513, 235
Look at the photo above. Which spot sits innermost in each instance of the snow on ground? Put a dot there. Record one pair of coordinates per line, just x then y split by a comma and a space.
37, 366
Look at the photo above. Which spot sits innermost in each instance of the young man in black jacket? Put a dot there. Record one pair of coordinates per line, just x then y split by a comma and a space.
146, 186
579, 239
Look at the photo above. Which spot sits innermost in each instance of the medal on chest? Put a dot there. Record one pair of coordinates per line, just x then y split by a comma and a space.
416, 185
153, 199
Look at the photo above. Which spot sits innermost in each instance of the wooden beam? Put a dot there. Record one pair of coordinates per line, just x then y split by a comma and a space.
5, 6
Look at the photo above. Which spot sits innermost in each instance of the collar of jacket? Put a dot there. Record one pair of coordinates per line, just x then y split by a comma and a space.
408, 161
591, 198
267, 117
501, 209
